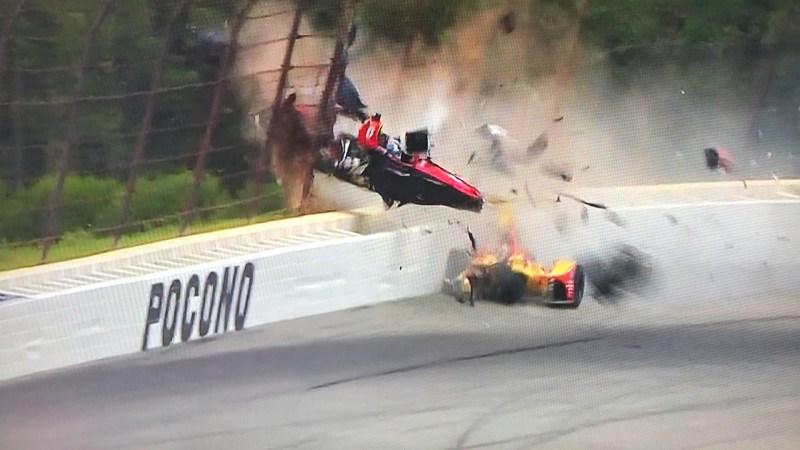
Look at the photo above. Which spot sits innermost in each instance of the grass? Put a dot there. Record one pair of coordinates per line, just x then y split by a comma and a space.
80, 244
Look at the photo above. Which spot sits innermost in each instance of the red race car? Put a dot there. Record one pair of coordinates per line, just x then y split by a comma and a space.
400, 175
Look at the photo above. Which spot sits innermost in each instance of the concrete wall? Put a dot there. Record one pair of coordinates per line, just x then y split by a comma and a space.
136, 314
712, 251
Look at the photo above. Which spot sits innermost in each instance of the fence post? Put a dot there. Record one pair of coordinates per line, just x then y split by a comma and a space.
327, 114
147, 122
262, 159
5, 36
213, 118
63, 163
16, 119
5, 39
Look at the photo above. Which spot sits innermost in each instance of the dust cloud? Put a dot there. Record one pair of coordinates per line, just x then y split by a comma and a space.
650, 128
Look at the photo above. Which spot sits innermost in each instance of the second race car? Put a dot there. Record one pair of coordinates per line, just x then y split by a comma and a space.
514, 278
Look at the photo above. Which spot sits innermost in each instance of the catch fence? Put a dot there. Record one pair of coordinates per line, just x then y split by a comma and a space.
125, 130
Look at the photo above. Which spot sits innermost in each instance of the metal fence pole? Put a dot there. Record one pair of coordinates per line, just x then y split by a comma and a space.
63, 164
262, 159
5, 39
147, 122
5, 36
219, 89
327, 113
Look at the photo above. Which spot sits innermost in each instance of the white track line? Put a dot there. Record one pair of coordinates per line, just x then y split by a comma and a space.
706, 204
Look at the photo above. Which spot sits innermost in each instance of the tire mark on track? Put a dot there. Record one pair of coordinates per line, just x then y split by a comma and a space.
431, 364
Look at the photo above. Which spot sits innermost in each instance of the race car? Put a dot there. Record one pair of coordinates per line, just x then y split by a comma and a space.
509, 275
405, 175
516, 277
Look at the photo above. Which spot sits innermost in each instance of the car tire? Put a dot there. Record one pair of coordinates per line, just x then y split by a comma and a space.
509, 286
579, 287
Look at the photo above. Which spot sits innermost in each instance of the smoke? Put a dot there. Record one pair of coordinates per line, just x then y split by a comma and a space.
649, 128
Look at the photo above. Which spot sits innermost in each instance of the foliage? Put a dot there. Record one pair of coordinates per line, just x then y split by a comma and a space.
48, 40
46, 45
406, 20
81, 243
92, 204
630, 30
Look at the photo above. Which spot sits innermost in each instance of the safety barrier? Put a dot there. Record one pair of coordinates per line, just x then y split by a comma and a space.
711, 247
129, 315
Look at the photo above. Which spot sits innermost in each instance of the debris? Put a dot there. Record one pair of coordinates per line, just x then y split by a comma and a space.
538, 146
593, 205
509, 21
586, 168
558, 119
719, 158
585, 214
472, 240
671, 219
614, 218
559, 171
530, 196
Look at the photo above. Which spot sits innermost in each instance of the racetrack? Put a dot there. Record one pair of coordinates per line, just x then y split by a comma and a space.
432, 374
709, 364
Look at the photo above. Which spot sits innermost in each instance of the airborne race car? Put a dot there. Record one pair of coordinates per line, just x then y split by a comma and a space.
406, 174
512, 279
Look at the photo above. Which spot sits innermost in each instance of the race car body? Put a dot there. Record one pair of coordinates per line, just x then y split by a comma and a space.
510, 280
404, 175
510, 275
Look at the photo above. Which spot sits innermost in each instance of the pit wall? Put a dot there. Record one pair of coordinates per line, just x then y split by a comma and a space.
724, 251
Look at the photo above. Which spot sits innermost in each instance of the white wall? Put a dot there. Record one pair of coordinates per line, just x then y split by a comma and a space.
109, 319
749, 249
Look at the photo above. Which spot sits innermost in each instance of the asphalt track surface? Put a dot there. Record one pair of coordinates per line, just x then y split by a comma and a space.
430, 373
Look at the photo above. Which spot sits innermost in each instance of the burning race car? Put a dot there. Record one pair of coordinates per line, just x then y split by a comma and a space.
512, 279
402, 174
510, 275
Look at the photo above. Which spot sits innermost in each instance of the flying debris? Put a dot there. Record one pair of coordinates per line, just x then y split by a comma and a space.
538, 146
509, 21
500, 138
719, 158
557, 171
614, 218
579, 200
472, 240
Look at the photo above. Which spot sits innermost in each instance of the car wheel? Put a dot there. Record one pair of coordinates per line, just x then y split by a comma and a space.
510, 285
580, 283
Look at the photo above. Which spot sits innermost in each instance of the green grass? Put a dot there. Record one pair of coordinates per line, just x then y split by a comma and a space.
80, 244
